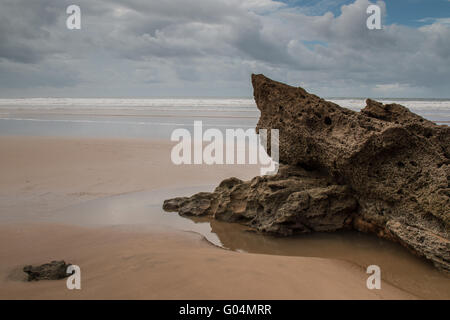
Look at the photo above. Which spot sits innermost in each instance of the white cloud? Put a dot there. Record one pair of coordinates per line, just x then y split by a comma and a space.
435, 20
262, 6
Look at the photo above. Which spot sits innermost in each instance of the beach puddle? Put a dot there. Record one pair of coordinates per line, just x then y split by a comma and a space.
398, 266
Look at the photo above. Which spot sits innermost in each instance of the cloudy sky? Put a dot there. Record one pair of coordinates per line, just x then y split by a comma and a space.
191, 48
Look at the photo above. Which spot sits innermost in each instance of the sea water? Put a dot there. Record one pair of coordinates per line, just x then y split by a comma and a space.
157, 118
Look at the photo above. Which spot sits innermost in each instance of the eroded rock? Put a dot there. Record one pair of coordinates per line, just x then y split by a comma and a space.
54, 270
383, 170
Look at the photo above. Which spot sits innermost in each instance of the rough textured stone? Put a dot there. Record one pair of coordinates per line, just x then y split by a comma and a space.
50, 271
383, 170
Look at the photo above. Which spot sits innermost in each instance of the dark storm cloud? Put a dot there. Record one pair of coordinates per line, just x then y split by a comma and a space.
22, 25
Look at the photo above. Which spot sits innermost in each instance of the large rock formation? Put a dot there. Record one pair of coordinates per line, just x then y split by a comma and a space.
383, 170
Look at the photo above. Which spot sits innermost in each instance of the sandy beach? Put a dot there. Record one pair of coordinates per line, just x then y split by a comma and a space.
43, 175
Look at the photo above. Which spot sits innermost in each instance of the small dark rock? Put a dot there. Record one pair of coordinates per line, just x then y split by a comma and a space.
54, 270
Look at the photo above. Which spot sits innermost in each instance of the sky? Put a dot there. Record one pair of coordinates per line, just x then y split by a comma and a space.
209, 48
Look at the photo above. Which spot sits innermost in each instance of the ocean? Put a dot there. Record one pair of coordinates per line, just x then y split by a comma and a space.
157, 118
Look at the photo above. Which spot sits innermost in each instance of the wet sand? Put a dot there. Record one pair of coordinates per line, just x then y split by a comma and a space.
132, 264
40, 174
50, 193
